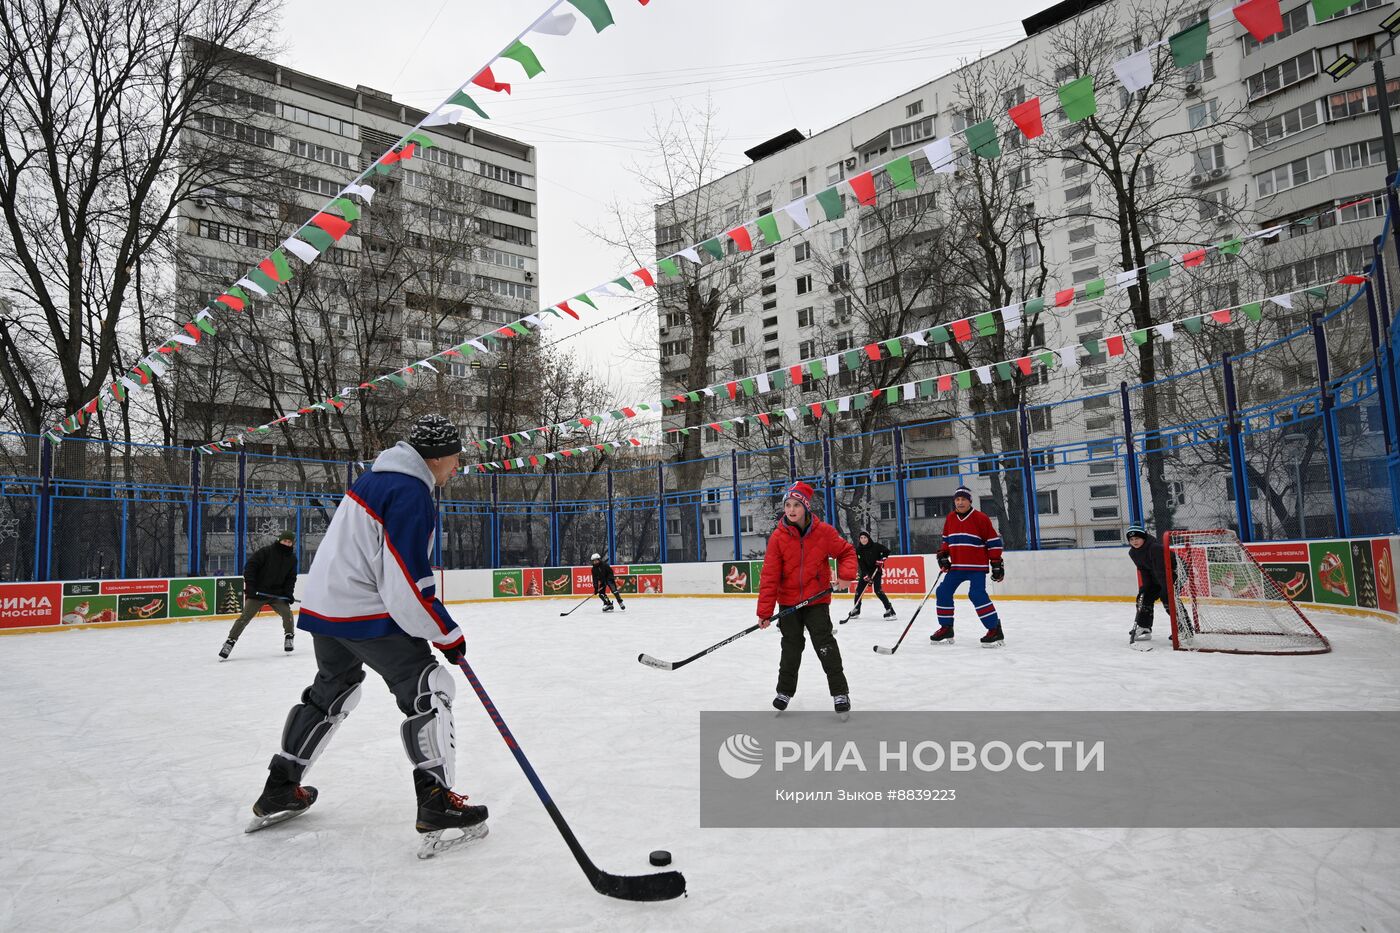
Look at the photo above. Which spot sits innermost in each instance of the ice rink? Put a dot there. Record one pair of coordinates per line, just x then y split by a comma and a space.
132, 757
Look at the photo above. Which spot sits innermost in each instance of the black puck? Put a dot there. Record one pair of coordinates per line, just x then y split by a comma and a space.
661, 857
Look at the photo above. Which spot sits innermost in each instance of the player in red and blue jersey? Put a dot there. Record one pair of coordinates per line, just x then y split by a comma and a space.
970, 546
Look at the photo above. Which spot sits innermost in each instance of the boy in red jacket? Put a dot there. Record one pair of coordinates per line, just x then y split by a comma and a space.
795, 568
970, 543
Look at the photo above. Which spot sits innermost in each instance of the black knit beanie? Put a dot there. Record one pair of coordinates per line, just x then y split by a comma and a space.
434, 436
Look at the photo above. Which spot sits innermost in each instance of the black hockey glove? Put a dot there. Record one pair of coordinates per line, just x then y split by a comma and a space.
456, 653
998, 571
945, 563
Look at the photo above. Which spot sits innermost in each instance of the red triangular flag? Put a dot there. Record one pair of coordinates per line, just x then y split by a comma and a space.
1027, 118
586, 422
741, 238
962, 330
1352, 279
628, 412
487, 80
506, 438
1194, 258
864, 187
816, 408
795, 372
269, 268
733, 388
645, 276
1115, 345
407, 152
945, 383
193, 330
332, 224
716, 426
564, 306
1024, 364
872, 350
1222, 316
534, 461
1261, 17
763, 416
1064, 298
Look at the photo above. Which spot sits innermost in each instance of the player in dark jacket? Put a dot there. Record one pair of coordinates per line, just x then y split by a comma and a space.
1147, 556
871, 555
603, 580
269, 579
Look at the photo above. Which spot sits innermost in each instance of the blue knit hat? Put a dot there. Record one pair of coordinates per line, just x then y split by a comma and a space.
963, 491
1135, 531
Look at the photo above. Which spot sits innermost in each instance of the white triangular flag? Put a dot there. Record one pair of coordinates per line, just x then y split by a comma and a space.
1267, 233
158, 365
918, 338
480, 347
1011, 316
533, 320
554, 24
690, 253
1165, 331
832, 364
1283, 301
984, 375
254, 287
1125, 278
1069, 358
303, 251
426, 365
1135, 71
910, 391
445, 116
131, 385
791, 413
797, 210
708, 391
185, 339
364, 191
940, 155
843, 403
292, 415
763, 384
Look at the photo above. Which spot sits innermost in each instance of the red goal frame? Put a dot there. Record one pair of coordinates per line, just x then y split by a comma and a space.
1167, 542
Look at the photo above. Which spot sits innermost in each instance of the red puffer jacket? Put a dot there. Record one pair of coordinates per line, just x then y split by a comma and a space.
795, 565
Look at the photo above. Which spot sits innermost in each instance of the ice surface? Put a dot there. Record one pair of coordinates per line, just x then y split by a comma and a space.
131, 759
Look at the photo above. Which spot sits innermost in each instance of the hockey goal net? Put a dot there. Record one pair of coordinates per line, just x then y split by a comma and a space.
1222, 600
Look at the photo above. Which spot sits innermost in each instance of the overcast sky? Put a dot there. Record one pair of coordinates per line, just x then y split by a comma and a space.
767, 65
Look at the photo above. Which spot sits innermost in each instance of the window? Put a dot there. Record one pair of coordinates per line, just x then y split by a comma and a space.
736, 337
1362, 100
840, 273
675, 347
1102, 512
842, 307
962, 119
1047, 501
1211, 157
1358, 155
714, 528
1080, 234
1108, 535
1020, 177
914, 109
1040, 419
1082, 253
799, 187
1108, 491
835, 172
1212, 204
1074, 170
1293, 21
1358, 7
1284, 125
746, 524
839, 238
804, 317
1284, 74
802, 252
1367, 209
1028, 255
804, 284
1295, 173
1202, 71
1085, 275
910, 133
807, 349
1102, 467
1084, 318
1202, 114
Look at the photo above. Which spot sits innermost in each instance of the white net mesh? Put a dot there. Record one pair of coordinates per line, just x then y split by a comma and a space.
1222, 600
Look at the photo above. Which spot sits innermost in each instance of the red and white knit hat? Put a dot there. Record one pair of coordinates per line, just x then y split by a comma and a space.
801, 492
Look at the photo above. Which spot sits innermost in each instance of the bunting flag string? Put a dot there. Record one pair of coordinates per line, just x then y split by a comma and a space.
335, 218
1064, 358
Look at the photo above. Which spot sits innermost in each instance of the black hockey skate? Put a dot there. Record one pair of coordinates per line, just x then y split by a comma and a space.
621, 605
890, 614
439, 810
993, 638
843, 706
854, 613
287, 643
281, 800
944, 635
226, 650
1140, 638
781, 701
607, 607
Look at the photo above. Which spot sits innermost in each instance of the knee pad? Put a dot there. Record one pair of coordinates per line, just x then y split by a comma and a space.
309, 729
429, 736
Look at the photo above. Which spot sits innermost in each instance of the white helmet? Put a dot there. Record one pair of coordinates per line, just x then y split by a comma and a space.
596, 556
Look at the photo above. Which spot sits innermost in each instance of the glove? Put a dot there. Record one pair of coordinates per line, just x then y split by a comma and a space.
456, 653
998, 571
945, 563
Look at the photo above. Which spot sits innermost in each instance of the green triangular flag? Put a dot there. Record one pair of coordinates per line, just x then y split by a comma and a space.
926, 388
1159, 270
1077, 99
768, 226
1034, 306
891, 395
238, 293
1324, 9
748, 386
1319, 292
206, 324
1090, 344
347, 208
668, 267
281, 265
525, 55
986, 324
396, 379
1048, 359
1004, 371
778, 379
597, 12
1231, 247
852, 359
1254, 311
1192, 325
624, 283
894, 347
586, 300
816, 369
264, 281
1189, 45
317, 237
901, 174
521, 328
461, 99
714, 248
831, 202
982, 139
939, 334
1094, 289
1139, 337
421, 139
965, 379
860, 402
833, 406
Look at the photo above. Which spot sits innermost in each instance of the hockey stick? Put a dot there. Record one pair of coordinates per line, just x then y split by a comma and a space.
661, 886
854, 608
879, 650
649, 661
576, 608
286, 599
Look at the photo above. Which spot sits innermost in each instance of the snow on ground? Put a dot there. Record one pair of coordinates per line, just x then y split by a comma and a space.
131, 758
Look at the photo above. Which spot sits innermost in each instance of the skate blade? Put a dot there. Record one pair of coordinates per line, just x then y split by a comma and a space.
940, 644
272, 819
995, 644
844, 717
434, 844
1141, 646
